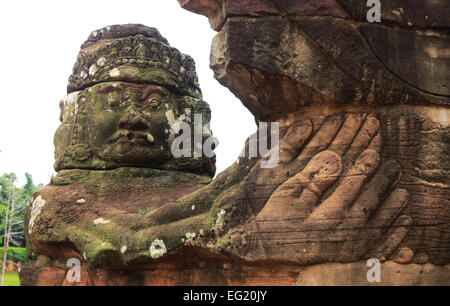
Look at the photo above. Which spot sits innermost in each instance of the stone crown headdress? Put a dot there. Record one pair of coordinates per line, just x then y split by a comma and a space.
133, 53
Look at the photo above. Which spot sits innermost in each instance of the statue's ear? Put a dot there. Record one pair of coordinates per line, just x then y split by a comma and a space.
75, 156
70, 152
79, 153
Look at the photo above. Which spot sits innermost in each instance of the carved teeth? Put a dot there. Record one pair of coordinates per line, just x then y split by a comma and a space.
150, 138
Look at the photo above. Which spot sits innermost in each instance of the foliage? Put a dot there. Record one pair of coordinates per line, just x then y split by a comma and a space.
22, 197
15, 254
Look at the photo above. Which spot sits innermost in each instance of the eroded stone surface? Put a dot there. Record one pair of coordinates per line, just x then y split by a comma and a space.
216, 271
302, 53
301, 61
298, 61
403, 13
363, 170
117, 124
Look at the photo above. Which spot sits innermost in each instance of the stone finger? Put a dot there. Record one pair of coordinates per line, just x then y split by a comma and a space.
393, 237
331, 211
370, 201
347, 133
319, 141
298, 196
368, 130
294, 140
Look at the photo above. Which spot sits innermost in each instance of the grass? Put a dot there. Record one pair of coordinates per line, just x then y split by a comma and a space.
11, 279
14, 254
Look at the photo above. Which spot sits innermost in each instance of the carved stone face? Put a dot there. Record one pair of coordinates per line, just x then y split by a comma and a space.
128, 93
117, 124
131, 125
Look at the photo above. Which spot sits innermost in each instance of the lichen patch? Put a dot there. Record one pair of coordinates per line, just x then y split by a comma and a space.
100, 221
220, 218
83, 75
123, 249
114, 73
190, 236
69, 106
36, 208
101, 62
157, 249
93, 70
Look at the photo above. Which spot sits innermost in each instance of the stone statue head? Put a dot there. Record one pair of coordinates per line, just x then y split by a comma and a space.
128, 92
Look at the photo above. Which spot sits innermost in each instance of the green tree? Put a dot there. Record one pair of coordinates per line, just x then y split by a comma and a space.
21, 195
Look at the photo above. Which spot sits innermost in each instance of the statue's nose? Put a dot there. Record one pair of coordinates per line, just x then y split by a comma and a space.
133, 120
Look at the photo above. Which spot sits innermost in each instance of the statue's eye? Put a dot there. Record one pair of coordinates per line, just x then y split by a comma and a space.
113, 102
154, 103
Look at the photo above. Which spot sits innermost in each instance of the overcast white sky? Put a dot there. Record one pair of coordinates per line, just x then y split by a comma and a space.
40, 41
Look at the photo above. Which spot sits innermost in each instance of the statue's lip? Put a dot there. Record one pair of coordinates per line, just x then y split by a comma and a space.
138, 137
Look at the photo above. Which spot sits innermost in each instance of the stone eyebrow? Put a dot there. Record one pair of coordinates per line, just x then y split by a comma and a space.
111, 86
155, 89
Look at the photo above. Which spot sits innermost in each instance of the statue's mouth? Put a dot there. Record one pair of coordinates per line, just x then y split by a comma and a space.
126, 136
